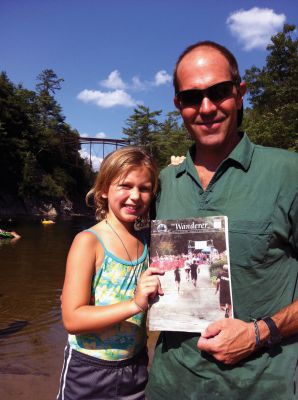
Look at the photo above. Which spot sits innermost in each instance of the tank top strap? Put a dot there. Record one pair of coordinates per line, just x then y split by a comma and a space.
97, 237
113, 256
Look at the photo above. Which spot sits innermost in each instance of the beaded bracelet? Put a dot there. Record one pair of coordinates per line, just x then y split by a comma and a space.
257, 332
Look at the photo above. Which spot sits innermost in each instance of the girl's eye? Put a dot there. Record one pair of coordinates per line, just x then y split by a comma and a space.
124, 186
145, 189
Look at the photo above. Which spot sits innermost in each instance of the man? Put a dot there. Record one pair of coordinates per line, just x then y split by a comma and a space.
223, 288
247, 358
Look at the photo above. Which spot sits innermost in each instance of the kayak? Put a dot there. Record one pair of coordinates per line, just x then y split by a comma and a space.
6, 235
47, 222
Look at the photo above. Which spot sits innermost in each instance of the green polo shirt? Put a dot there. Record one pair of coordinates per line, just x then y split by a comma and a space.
257, 188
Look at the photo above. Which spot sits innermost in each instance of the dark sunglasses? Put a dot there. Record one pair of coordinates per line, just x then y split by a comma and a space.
215, 93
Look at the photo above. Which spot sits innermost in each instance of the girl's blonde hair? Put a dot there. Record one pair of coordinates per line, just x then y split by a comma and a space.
116, 166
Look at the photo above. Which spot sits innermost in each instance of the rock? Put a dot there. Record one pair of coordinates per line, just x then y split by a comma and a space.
12, 205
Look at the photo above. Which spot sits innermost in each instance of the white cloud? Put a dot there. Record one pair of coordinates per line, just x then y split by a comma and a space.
107, 99
137, 84
114, 81
100, 135
254, 28
96, 161
118, 95
161, 78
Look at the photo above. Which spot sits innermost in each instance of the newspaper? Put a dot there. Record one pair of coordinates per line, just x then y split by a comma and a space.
194, 256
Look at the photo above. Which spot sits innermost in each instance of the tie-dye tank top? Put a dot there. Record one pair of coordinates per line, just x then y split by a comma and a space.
114, 282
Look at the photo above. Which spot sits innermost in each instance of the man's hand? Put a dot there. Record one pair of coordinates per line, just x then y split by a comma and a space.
228, 340
176, 160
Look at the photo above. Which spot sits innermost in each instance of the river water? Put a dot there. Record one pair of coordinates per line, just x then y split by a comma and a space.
32, 337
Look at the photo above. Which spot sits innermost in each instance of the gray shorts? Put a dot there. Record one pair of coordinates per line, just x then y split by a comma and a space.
85, 377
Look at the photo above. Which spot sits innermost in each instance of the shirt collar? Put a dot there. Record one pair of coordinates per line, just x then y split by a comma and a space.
241, 154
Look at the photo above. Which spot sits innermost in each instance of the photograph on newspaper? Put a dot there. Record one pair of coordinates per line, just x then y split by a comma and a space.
194, 256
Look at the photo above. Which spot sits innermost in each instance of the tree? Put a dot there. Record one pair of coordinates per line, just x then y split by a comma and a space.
172, 139
142, 124
48, 82
49, 109
15, 129
39, 151
273, 94
162, 139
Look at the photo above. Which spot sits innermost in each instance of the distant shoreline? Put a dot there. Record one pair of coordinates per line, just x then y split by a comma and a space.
12, 207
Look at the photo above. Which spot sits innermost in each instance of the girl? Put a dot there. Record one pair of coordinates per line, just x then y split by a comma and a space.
107, 286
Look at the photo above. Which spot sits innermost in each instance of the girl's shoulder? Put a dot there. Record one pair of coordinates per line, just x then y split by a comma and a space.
90, 236
89, 245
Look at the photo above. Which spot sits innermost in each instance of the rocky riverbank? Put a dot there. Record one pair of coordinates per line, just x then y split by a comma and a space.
11, 206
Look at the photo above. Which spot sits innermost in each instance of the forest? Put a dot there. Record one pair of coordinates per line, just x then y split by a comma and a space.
40, 152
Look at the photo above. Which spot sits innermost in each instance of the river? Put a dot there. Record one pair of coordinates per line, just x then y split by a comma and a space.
32, 337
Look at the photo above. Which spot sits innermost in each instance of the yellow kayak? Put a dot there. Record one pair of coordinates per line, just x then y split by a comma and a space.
47, 222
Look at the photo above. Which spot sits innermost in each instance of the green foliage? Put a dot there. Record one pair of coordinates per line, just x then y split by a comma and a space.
142, 125
48, 82
172, 139
165, 248
273, 94
162, 139
49, 185
30, 179
216, 267
39, 151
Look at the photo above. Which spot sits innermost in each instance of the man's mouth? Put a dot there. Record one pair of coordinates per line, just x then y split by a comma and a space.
210, 124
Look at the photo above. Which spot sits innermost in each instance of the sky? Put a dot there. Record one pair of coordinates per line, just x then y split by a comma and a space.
116, 54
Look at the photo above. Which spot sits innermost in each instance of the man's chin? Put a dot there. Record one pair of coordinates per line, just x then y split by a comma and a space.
211, 140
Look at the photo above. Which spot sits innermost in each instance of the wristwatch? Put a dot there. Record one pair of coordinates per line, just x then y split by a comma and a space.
275, 336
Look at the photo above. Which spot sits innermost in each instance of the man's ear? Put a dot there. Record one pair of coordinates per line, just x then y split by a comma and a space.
241, 92
177, 103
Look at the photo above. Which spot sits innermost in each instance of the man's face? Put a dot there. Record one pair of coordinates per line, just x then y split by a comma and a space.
213, 125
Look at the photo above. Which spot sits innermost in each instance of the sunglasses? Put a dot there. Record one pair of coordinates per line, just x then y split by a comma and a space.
215, 93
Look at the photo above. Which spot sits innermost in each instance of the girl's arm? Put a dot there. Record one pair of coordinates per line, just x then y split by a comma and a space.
80, 317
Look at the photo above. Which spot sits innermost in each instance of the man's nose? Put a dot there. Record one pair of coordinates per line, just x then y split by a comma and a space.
207, 106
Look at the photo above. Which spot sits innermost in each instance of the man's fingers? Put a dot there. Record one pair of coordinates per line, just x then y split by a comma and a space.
176, 160
211, 330
204, 344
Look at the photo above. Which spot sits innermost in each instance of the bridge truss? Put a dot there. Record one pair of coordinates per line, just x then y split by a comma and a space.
104, 142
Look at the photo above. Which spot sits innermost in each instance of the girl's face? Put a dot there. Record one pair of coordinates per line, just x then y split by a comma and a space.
129, 197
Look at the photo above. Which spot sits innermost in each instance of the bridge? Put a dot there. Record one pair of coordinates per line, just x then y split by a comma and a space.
104, 142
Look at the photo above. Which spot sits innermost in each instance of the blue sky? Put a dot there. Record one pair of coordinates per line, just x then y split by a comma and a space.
115, 54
